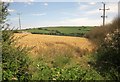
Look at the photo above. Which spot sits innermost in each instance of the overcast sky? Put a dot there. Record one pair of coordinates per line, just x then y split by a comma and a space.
36, 14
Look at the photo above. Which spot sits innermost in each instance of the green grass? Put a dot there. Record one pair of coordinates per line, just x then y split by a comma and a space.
64, 67
68, 30
63, 30
37, 31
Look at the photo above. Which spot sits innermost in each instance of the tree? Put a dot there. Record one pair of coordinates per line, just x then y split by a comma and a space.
15, 60
3, 12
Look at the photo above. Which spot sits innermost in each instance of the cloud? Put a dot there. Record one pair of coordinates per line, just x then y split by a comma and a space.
92, 3
79, 3
39, 14
96, 11
70, 14
11, 10
28, 2
17, 0
7, 0
45, 4
113, 7
86, 6
81, 21
83, 7
66, 22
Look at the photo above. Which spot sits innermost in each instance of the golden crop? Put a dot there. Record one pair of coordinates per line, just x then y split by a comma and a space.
43, 43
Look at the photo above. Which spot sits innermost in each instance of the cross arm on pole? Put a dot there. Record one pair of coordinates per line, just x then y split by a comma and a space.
104, 9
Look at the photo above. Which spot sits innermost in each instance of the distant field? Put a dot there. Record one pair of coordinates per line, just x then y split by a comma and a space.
66, 31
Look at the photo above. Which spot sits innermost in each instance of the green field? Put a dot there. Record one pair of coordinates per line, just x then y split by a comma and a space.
67, 30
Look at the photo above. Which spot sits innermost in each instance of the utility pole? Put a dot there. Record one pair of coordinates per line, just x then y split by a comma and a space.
119, 9
104, 9
19, 20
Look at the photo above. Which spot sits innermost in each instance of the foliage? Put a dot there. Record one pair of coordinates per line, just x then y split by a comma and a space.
44, 72
98, 34
3, 12
61, 60
107, 56
64, 67
15, 62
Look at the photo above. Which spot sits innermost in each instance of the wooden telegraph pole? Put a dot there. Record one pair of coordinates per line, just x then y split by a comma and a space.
104, 9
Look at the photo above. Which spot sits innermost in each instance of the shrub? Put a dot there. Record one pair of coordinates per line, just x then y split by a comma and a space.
61, 60
107, 56
15, 61
40, 28
98, 34
109, 50
44, 72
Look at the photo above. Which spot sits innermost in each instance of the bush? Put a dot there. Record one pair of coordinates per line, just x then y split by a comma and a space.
98, 34
44, 72
40, 28
61, 60
107, 56
15, 61
109, 49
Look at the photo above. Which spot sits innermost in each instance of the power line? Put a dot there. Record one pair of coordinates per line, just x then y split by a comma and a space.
19, 20
104, 15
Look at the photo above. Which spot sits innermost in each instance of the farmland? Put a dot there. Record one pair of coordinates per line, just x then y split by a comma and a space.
63, 57
78, 31
42, 42
58, 52
55, 52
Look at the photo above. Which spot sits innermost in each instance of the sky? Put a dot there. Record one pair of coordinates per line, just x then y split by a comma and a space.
43, 14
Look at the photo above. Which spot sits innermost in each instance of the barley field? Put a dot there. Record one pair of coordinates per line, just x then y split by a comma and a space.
41, 43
